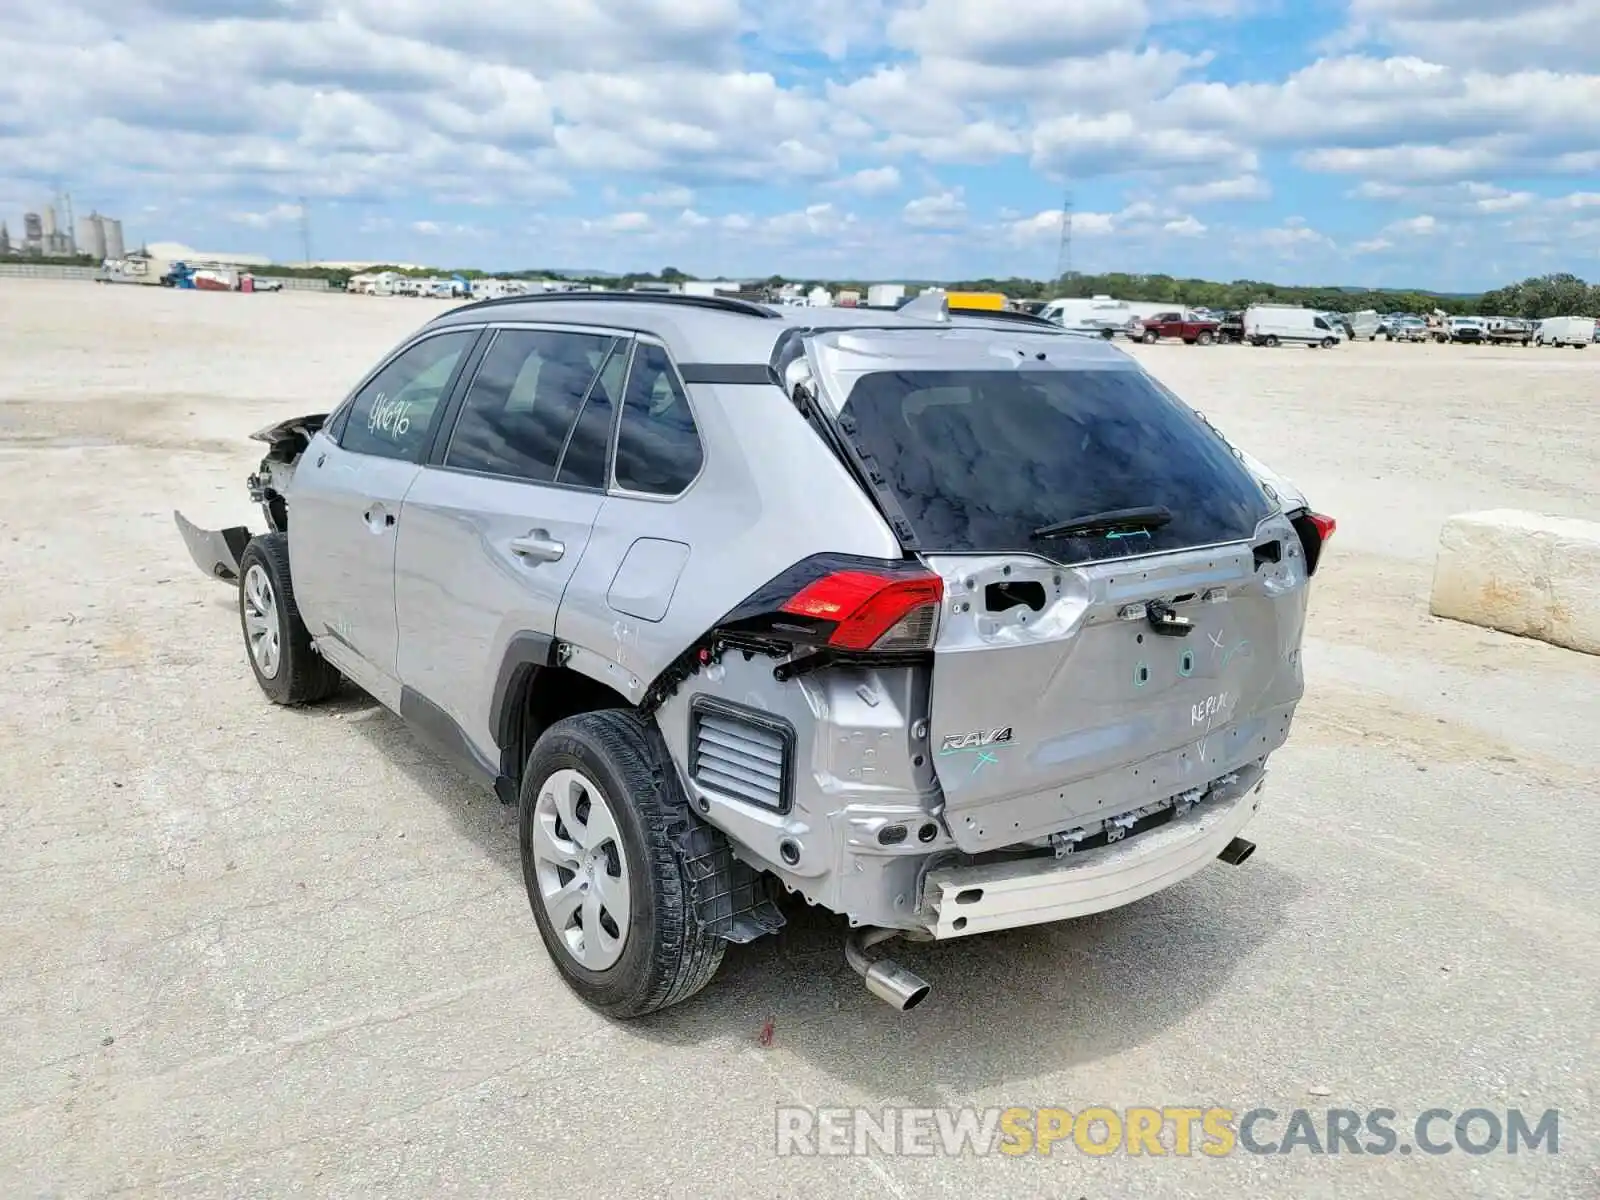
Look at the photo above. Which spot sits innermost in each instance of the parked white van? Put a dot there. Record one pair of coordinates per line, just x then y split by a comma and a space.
1273, 324
1565, 331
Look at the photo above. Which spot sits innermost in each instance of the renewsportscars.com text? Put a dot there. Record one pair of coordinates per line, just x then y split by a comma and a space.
1158, 1131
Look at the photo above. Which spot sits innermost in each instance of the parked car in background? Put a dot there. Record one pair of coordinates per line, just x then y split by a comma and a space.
1565, 331
1277, 324
1407, 329
1508, 330
1189, 328
1363, 324
1230, 330
1465, 329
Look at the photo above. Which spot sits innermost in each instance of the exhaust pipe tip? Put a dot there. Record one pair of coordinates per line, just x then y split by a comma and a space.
896, 986
886, 979
1237, 851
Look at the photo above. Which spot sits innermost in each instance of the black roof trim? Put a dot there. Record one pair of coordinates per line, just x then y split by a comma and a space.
727, 304
732, 373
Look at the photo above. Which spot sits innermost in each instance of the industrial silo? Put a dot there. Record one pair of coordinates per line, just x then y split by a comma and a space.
92, 237
113, 235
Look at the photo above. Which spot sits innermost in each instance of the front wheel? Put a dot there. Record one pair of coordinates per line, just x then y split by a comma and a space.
600, 800
1150, 338
286, 664
1271, 340
1328, 343
1205, 339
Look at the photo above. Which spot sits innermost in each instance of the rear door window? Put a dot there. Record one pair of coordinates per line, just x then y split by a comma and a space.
523, 402
978, 460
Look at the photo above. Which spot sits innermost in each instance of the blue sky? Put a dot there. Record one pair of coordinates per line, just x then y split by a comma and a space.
1453, 144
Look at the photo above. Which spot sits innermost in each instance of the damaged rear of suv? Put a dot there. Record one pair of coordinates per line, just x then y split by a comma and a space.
949, 624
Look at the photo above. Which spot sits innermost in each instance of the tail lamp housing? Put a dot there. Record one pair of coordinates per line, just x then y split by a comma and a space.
872, 612
1314, 529
847, 605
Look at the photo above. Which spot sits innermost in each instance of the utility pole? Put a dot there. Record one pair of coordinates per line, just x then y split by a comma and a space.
305, 233
1064, 251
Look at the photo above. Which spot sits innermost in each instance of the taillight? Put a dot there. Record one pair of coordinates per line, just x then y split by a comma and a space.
870, 611
1314, 529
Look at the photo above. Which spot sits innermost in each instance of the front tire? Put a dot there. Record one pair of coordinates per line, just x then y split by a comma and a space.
276, 641
1204, 339
599, 808
1150, 338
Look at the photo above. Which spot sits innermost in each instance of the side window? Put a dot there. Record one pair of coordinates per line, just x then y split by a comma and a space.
658, 446
523, 402
393, 416
584, 463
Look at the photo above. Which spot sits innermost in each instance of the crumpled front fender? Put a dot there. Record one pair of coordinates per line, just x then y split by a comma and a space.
215, 551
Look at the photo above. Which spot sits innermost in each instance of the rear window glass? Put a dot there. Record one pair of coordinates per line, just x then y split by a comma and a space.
980, 459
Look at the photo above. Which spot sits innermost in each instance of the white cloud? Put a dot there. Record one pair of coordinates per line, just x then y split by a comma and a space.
622, 222
668, 197
1240, 187
1040, 31
1553, 33
1372, 246
1184, 227
1423, 225
278, 214
946, 210
871, 181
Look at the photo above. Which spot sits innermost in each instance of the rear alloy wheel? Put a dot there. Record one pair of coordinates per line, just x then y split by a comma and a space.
286, 664
599, 808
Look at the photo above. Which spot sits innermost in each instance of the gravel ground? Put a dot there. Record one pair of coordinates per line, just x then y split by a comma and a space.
245, 951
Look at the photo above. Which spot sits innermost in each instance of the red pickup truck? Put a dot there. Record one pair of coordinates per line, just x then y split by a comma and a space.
1191, 329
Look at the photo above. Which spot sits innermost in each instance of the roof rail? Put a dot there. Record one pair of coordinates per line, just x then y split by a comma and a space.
727, 304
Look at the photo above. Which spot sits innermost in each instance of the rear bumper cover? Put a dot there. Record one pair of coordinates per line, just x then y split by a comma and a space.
980, 899
215, 551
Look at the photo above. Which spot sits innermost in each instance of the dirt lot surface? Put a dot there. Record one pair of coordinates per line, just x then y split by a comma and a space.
248, 951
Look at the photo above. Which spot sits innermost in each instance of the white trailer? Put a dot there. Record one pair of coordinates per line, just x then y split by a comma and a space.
1577, 332
1101, 314
1278, 324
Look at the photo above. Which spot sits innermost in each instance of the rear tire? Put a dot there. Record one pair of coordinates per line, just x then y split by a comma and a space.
276, 641
620, 766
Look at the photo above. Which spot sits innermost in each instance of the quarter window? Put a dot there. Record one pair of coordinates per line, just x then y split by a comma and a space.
523, 401
584, 463
393, 416
658, 446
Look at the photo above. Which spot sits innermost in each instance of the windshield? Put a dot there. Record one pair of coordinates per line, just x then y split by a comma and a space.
979, 460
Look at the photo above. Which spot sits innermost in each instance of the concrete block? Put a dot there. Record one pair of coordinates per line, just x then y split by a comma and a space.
1521, 572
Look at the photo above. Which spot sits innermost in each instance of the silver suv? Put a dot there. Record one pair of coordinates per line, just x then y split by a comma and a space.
947, 622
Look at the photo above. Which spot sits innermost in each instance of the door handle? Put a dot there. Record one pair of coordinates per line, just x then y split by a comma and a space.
538, 546
372, 515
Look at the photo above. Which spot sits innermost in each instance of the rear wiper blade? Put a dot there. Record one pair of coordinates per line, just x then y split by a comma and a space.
1150, 516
